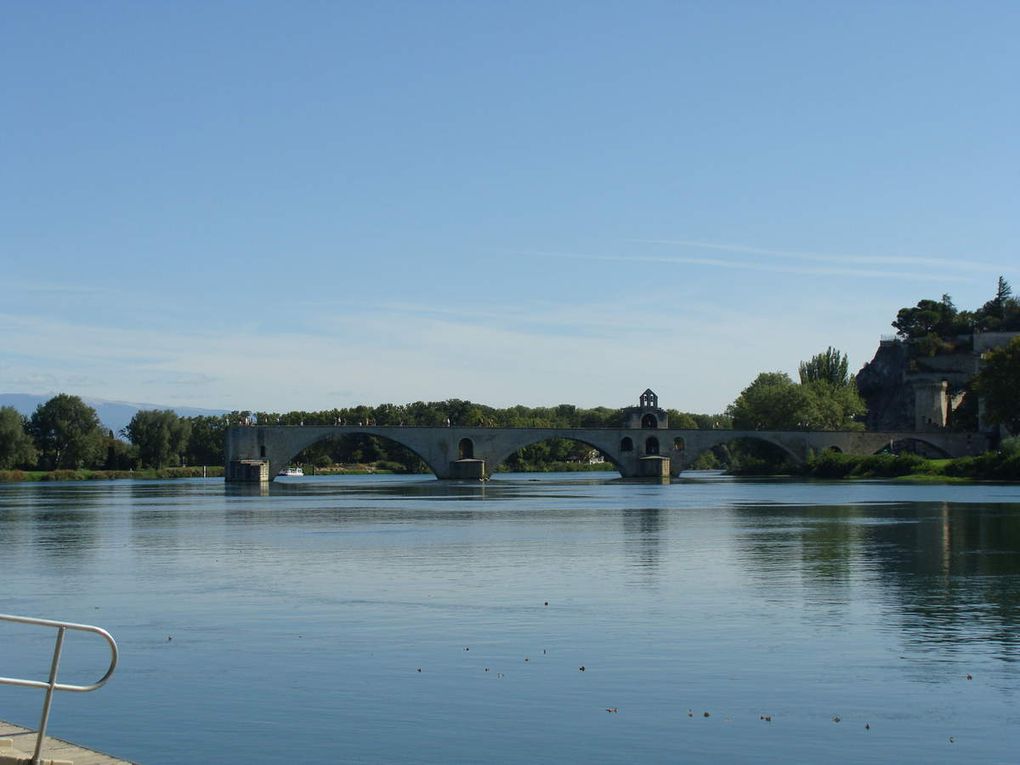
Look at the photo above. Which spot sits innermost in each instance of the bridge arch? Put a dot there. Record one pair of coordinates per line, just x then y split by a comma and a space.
466, 449
915, 444
705, 443
604, 449
281, 451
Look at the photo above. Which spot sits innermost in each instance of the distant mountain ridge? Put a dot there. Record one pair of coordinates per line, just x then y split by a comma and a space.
115, 415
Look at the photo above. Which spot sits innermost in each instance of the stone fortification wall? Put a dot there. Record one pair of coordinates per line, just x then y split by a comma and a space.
906, 390
986, 341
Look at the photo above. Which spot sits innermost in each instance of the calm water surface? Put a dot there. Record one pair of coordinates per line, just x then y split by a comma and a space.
300, 619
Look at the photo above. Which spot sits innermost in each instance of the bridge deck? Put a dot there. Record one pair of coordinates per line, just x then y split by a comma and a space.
22, 744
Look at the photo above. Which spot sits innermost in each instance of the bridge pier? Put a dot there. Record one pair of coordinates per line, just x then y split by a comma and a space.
654, 467
468, 470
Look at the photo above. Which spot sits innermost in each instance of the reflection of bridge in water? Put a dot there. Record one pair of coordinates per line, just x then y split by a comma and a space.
644, 447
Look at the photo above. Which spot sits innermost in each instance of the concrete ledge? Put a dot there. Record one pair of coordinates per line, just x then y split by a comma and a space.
17, 744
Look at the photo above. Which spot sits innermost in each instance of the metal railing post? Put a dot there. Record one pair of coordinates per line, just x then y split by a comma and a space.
58, 646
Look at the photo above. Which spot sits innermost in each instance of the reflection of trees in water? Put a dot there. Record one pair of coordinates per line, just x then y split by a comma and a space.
803, 556
820, 541
65, 525
642, 537
955, 573
155, 516
952, 572
14, 524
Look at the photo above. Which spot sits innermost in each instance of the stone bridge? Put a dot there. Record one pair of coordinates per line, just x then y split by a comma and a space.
643, 449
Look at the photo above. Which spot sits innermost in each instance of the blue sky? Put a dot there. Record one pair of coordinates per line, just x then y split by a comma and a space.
304, 205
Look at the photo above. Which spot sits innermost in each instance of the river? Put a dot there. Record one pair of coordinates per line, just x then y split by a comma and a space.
533, 619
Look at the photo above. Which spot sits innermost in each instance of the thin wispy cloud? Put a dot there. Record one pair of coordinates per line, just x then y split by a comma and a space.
752, 265
24, 285
820, 257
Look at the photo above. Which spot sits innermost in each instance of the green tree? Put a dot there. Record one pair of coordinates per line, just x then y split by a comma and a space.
67, 433
772, 402
16, 447
825, 399
832, 407
205, 447
681, 420
830, 366
120, 455
1001, 313
998, 384
833, 402
930, 317
160, 436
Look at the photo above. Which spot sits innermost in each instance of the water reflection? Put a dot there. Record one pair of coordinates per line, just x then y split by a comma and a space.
803, 599
955, 574
948, 574
65, 529
642, 538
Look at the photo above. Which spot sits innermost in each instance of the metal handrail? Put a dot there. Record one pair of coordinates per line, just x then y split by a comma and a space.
52, 685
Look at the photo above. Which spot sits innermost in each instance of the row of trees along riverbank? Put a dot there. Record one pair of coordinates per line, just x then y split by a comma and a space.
64, 433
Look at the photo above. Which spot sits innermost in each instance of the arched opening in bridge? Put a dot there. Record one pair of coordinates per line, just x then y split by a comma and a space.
650, 421
357, 453
914, 446
678, 444
749, 456
466, 449
558, 455
651, 445
626, 445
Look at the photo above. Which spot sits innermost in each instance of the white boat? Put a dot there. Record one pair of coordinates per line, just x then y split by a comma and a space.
291, 472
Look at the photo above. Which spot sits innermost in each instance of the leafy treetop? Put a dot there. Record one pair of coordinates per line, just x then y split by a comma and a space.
942, 319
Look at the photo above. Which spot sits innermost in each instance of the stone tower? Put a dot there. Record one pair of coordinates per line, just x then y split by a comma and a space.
647, 414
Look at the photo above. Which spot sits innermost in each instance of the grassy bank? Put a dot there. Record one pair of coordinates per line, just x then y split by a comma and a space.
992, 466
558, 467
383, 467
109, 475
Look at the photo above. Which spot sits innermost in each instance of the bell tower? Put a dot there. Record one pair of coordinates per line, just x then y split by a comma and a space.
648, 414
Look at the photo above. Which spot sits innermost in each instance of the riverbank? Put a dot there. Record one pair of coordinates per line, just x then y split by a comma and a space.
149, 474
991, 466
